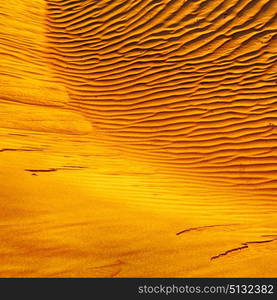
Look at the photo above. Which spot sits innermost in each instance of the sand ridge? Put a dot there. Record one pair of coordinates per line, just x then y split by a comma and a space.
138, 138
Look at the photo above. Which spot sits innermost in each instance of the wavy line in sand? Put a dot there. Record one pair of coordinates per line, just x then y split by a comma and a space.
244, 246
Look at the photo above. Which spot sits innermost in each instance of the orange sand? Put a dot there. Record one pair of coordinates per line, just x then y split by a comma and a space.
138, 138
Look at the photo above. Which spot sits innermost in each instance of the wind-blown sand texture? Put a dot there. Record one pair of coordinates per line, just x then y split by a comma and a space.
138, 138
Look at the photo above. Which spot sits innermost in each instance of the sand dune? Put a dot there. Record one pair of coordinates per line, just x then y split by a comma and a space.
138, 138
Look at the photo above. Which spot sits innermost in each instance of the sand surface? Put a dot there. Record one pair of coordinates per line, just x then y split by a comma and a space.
138, 138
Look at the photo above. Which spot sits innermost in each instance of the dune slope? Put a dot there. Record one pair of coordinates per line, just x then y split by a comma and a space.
138, 138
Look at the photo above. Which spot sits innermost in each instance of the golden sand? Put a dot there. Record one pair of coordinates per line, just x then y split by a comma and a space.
138, 138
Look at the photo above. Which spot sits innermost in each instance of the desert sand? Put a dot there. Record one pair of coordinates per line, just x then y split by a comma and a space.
138, 138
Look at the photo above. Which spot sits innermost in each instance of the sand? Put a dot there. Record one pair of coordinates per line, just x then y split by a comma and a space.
138, 138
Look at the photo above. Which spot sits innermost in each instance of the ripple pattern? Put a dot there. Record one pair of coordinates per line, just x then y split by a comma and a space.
190, 84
